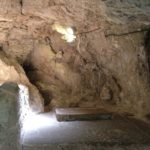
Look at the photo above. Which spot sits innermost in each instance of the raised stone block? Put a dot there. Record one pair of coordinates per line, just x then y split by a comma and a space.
9, 117
72, 114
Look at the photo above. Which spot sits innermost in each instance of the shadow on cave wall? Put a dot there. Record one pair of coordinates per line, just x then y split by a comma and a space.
30, 72
147, 47
1, 47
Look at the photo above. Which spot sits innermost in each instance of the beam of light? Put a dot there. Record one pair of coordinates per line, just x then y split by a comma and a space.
24, 109
67, 32
34, 122
29, 120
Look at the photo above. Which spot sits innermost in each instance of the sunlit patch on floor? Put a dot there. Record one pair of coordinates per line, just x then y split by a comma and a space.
35, 122
29, 120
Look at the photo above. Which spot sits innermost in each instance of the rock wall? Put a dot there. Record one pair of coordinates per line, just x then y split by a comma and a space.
107, 65
11, 71
9, 117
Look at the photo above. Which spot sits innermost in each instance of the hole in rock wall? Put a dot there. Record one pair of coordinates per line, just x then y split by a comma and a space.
67, 32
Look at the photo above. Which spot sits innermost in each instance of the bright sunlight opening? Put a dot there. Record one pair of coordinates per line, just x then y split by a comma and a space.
67, 32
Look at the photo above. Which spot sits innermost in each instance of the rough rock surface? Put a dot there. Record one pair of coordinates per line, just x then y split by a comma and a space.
11, 71
9, 116
107, 65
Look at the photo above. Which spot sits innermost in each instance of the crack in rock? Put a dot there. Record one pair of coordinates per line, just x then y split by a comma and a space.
21, 4
127, 33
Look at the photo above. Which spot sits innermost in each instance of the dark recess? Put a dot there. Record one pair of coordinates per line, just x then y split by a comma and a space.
32, 76
147, 47
1, 48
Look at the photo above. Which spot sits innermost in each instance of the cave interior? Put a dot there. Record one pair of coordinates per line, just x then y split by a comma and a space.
76, 69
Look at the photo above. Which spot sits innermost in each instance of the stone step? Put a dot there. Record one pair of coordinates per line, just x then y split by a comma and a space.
73, 114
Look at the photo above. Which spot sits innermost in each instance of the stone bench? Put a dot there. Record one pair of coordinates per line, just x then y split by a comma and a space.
81, 114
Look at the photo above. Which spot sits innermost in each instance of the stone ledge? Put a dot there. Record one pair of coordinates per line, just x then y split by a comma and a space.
72, 114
